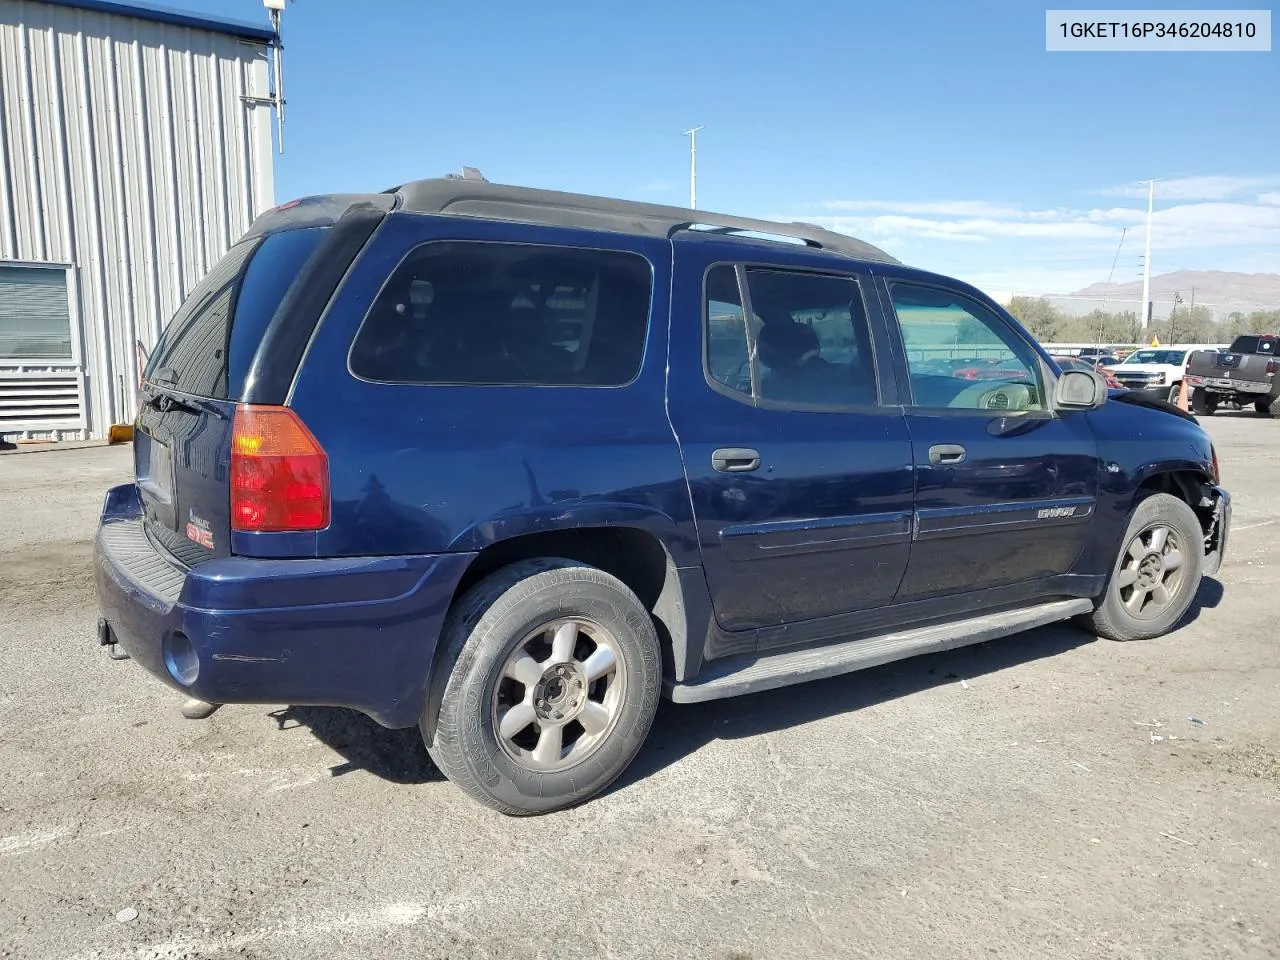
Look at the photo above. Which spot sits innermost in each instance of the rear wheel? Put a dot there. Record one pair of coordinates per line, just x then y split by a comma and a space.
1263, 407
1203, 403
1157, 574
554, 674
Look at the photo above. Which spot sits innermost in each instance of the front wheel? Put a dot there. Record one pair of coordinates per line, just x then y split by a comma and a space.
1263, 407
553, 682
1157, 574
1203, 402
1175, 394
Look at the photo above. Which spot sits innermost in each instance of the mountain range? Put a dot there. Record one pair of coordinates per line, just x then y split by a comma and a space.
1216, 288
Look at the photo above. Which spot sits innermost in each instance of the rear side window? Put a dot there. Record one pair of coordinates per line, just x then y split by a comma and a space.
486, 313
807, 345
208, 346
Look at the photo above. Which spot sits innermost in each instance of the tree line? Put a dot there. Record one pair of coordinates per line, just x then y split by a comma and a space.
1185, 324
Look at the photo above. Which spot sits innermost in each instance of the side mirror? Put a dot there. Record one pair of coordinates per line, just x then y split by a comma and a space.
1081, 390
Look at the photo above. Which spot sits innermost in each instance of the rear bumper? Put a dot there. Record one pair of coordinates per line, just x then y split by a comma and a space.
1227, 385
1216, 541
356, 632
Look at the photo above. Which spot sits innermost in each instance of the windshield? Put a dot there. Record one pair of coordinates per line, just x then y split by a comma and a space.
1170, 357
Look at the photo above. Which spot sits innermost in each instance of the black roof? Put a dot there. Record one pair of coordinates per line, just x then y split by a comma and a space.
479, 198
178, 18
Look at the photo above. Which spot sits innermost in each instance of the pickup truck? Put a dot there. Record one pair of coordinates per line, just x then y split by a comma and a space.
1243, 373
1157, 371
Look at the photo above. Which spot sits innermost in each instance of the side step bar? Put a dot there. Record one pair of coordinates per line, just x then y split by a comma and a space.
734, 676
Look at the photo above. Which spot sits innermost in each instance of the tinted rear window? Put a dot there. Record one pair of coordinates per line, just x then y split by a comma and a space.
504, 313
1253, 345
210, 342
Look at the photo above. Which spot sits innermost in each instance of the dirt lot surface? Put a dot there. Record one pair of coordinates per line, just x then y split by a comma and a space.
1044, 796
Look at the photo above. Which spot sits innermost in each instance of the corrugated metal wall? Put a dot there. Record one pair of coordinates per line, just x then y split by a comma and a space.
127, 151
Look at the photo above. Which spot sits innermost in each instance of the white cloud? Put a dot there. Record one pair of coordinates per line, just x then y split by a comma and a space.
1005, 246
1192, 188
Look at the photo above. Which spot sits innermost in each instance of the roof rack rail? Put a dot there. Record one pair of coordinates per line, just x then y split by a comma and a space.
480, 198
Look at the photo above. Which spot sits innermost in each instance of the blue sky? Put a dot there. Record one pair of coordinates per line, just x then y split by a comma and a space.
941, 131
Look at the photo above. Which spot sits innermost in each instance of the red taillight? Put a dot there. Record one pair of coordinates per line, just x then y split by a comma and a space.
1217, 475
279, 472
1271, 367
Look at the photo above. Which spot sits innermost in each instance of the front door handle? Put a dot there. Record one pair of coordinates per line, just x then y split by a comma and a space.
735, 459
947, 454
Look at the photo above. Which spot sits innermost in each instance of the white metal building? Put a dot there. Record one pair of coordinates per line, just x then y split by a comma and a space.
135, 147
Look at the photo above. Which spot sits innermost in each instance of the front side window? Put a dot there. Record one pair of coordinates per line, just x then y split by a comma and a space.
961, 355
812, 346
484, 313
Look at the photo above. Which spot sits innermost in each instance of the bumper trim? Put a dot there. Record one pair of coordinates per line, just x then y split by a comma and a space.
356, 632
1219, 531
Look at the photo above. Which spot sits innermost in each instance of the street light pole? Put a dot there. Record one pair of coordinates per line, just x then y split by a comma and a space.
1146, 259
693, 165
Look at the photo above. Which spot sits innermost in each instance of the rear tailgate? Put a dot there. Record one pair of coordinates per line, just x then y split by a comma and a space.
195, 376
1227, 366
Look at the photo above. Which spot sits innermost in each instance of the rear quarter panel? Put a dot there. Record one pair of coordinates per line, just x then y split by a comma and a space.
432, 468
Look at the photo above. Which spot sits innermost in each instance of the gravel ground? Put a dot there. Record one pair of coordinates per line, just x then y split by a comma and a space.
1045, 795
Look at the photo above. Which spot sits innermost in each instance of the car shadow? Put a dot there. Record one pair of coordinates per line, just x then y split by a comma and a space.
1227, 413
682, 729
395, 755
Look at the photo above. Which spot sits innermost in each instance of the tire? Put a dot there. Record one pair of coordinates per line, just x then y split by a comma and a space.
1263, 407
1118, 616
493, 645
1202, 403
1175, 394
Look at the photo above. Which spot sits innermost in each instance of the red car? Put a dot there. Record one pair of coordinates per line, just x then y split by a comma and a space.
1075, 363
991, 371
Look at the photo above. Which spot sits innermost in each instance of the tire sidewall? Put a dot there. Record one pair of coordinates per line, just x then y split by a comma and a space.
570, 591
1158, 508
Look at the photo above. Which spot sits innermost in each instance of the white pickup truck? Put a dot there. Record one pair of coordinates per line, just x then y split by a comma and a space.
1157, 370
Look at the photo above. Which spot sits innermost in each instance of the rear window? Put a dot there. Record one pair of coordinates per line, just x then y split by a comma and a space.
1265, 345
492, 314
209, 344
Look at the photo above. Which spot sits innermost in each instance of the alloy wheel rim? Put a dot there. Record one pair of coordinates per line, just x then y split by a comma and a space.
559, 695
1151, 572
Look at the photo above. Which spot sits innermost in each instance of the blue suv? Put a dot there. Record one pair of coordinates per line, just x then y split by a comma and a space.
509, 464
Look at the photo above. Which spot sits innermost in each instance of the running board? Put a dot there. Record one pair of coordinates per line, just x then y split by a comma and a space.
734, 676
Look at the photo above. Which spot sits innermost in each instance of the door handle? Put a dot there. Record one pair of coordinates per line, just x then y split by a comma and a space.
735, 459
947, 454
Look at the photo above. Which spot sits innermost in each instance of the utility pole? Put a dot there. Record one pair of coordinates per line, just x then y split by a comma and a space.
693, 165
274, 9
1146, 259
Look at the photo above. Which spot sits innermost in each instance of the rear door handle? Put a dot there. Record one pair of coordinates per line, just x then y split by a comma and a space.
947, 454
735, 459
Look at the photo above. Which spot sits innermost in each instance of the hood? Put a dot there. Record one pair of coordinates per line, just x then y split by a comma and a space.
1122, 368
1150, 402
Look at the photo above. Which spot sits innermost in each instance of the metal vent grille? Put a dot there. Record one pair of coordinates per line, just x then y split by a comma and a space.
40, 397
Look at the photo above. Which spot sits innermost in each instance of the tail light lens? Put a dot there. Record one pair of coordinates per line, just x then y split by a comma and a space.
279, 472
1271, 367
1217, 474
